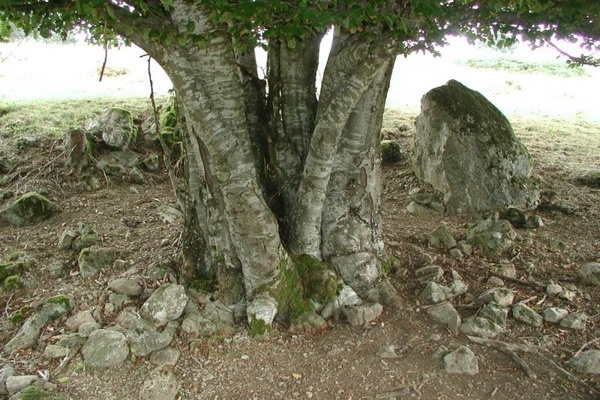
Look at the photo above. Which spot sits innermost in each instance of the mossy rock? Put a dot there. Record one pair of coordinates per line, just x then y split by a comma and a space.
390, 151
36, 393
30, 208
258, 327
19, 315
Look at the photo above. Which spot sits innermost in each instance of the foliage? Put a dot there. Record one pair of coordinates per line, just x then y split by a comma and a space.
414, 25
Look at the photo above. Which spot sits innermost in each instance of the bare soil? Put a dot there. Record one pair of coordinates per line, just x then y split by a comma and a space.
340, 362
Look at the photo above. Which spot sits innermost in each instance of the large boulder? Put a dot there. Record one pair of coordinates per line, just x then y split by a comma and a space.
115, 127
30, 208
466, 148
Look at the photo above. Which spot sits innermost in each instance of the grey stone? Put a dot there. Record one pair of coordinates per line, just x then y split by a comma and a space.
87, 327
55, 351
495, 281
455, 253
495, 313
465, 247
76, 320
262, 308
165, 356
441, 238
492, 237
115, 127
105, 349
66, 239
481, 327
169, 214
465, 148
523, 313
16, 383
70, 341
147, 341
161, 385
439, 353
91, 261
387, 352
568, 295
28, 209
589, 273
554, 315
56, 269
553, 289
588, 362
445, 314
363, 314
535, 222
422, 210
165, 304
84, 241
435, 293
347, 297
576, 321
28, 335
6, 371
118, 300
507, 270
429, 273
151, 163
461, 361
502, 296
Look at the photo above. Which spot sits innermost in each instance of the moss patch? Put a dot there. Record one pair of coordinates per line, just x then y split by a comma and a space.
29, 208
203, 285
319, 281
258, 327
19, 315
36, 393
60, 299
12, 282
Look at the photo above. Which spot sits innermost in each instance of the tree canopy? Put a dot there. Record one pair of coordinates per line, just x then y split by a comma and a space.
416, 24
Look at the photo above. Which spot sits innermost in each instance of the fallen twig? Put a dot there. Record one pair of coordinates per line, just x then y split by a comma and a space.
510, 349
532, 284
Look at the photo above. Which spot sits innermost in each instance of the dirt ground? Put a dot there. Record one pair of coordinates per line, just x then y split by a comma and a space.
340, 362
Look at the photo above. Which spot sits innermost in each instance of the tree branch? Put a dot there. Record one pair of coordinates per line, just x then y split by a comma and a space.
581, 60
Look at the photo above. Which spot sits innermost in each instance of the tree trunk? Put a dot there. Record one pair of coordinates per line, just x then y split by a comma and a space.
273, 175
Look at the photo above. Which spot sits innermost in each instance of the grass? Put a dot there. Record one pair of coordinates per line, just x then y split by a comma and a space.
508, 64
43, 118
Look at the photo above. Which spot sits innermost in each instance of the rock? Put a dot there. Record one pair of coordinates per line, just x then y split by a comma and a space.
554, 315
589, 273
588, 362
23, 143
390, 151
66, 239
38, 393
492, 237
76, 320
115, 127
435, 293
84, 241
387, 352
91, 261
126, 286
87, 328
28, 335
165, 304
169, 214
465, 247
441, 238
118, 300
516, 217
523, 313
422, 211
481, 327
465, 148
535, 222
30, 208
363, 314
56, 269
445, 314
567, 295
6, 371
151, 163
429, 273
261, 312
149, 340
16, 383
553, 289
494, 313
461, 361
495, 281
165, 356
54, 351
347, 297
508, 270
502, 296
575, 321
455, 253
161, 385
104, 349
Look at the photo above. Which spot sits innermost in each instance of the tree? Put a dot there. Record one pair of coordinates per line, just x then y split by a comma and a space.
282, 199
